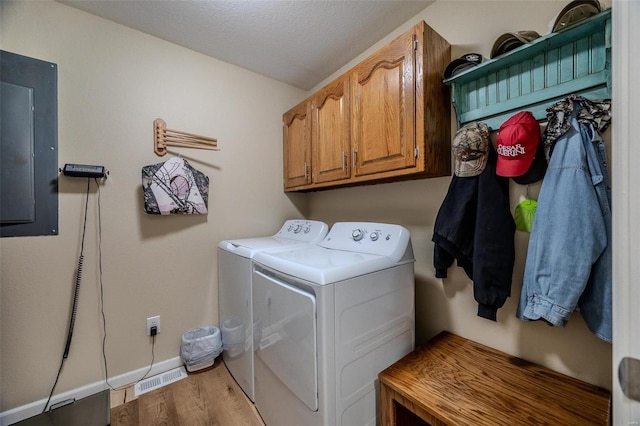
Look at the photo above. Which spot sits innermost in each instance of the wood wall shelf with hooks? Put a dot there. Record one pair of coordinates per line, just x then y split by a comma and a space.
163, 137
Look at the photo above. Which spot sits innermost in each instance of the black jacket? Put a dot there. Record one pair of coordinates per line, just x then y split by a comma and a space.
474, 226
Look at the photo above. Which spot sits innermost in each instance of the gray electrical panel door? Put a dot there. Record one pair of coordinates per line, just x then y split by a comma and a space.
28, 146
16, 151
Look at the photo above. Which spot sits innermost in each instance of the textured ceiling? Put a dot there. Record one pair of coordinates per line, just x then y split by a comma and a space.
299, 42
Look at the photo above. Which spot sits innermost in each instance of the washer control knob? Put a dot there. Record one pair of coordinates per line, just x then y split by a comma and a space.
374, 236
297, 229
307, 229
357, 234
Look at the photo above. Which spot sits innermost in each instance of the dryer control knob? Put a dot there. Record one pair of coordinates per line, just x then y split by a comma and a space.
374, 236
357, 234
297, 229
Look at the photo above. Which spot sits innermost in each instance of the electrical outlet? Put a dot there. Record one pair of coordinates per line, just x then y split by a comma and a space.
153, 322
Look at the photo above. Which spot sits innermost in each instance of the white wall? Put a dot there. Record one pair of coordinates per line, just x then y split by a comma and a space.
112, 83
470, 26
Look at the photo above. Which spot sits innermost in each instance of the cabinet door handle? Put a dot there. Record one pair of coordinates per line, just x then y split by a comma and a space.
344, 161
354, 154
306, 170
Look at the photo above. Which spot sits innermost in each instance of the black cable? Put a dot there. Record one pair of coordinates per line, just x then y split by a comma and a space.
76, 295
104, 318
74, 309
153, 356
54, 386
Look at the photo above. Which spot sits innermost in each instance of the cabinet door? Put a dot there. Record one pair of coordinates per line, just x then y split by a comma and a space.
331, 133
383, 109
297, 145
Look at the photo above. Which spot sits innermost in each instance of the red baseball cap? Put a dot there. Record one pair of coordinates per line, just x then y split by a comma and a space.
516, 144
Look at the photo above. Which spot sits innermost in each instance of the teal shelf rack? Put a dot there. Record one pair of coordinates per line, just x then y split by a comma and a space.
536, 75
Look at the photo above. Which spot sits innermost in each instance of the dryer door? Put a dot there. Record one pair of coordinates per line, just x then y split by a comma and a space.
287, 316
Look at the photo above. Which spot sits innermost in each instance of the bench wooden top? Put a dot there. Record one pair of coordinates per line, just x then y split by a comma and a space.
459, 381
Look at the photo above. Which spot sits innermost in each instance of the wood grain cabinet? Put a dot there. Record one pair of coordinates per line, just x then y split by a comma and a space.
296, 125
330, 132
383, 109
386, 119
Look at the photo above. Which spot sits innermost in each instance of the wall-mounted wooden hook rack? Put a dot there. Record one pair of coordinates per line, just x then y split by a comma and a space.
163, 137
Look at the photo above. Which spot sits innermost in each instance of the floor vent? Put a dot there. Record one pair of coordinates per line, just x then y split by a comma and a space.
155, 382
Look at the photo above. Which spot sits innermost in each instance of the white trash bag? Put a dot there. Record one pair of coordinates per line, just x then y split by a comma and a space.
200, 347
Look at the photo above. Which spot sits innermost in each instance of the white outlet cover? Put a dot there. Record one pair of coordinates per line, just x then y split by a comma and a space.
153, 321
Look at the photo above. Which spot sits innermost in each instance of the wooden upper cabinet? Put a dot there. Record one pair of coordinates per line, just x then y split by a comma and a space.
388, 118
383, 109
330, 132
297, 146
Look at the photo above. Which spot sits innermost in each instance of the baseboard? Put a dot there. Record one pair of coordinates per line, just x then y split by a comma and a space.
17, 414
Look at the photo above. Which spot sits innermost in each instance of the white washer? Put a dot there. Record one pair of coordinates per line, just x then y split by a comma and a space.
333, 316
234, 292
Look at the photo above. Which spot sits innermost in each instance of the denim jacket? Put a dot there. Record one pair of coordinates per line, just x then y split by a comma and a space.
568, 264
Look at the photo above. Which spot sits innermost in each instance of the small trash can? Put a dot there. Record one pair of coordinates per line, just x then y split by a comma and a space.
200, 347
233, 337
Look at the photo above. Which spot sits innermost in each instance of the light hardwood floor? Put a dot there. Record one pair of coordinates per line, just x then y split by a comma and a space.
206, 397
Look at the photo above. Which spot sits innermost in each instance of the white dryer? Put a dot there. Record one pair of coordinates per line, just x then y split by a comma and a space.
332, 316
234, 292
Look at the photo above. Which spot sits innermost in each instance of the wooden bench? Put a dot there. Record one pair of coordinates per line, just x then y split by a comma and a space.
455, 381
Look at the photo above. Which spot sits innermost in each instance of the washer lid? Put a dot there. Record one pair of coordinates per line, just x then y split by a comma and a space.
248, 247
294, 233
323, 266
